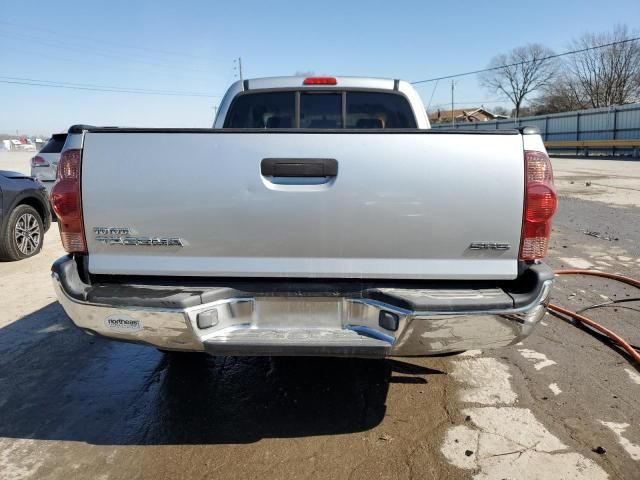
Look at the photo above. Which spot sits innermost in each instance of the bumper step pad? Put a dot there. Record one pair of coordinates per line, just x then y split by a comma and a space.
300, 341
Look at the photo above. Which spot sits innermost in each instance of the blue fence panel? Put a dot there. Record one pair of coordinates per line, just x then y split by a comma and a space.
609, 123
628, 124
596, 125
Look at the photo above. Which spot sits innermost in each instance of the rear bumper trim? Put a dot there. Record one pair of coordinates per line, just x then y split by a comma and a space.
342, 325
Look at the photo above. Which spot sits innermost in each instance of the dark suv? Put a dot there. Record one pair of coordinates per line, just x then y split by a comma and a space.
24, 216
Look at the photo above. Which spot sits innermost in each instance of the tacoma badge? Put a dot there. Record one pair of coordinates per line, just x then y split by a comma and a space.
489, 246
123, 236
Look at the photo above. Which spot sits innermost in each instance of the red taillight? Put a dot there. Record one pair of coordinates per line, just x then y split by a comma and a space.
320, 81
38, 161
540, 202
65, 201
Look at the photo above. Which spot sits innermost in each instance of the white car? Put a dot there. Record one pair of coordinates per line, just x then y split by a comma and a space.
44, 164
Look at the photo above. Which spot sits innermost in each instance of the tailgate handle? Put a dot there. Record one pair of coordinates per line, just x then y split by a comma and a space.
299, 167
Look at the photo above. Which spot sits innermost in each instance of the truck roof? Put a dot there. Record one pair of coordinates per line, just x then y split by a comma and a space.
341, 82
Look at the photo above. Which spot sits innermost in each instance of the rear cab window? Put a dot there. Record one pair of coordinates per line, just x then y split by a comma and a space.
262, 110
376, 110
319, 109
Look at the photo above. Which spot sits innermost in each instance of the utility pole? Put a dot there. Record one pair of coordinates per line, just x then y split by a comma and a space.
453, 118
238, 67
215, 113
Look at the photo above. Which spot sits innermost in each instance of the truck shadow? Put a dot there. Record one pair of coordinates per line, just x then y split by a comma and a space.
57, 383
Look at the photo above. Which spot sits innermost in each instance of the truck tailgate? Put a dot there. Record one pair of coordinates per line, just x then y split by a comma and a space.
402, 204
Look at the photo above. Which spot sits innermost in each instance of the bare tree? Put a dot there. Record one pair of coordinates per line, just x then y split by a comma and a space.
560, 96
526, 70
609, 75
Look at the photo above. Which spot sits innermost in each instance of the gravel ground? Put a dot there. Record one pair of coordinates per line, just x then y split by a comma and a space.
73, 406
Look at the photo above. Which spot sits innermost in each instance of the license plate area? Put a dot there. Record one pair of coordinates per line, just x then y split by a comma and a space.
298, 312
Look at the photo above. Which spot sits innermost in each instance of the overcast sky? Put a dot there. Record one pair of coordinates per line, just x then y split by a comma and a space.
189, 47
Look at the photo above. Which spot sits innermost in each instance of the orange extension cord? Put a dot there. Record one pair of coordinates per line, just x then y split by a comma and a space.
587, 321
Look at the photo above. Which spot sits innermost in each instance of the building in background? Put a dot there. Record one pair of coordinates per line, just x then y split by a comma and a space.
464, 115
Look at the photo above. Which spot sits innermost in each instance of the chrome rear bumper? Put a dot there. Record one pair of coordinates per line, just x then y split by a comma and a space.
349, 325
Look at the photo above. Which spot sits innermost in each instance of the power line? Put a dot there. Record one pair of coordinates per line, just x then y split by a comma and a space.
557, 55
112, 44
108, 90
112, 55
110, 87
432, 94
100, 88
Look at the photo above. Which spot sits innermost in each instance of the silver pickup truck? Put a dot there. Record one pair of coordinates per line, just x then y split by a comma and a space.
320, 216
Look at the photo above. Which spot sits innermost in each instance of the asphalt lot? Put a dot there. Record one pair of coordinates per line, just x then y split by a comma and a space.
74, 406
